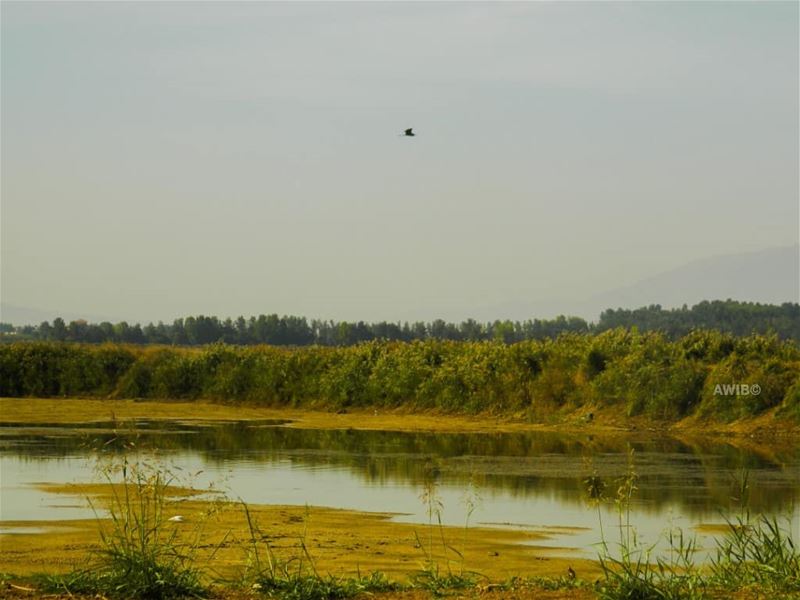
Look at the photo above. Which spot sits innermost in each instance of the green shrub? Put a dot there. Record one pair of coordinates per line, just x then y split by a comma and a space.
790, 406
653, 378
727, 394
644, 374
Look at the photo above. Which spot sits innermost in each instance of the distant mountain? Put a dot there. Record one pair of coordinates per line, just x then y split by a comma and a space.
769, 276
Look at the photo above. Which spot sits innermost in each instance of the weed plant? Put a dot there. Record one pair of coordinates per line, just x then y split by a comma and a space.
757, 553
143, 554
437, 574
297, 578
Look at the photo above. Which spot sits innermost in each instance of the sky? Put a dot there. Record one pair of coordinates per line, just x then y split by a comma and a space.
166, 159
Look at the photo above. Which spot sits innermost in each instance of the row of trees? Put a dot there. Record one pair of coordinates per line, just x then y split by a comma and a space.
739, 318
289, 331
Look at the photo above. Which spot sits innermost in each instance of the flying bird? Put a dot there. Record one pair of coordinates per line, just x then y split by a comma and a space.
409, 133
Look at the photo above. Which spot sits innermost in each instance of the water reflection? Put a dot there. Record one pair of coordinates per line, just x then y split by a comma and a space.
690, 477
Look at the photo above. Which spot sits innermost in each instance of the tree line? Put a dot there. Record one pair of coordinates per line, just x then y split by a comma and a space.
738, 318
289, 331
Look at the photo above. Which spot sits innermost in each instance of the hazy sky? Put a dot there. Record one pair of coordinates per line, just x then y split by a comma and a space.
168, 159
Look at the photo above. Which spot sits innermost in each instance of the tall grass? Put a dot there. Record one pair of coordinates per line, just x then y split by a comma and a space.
143, 553
444, 564
755, 552
630, 569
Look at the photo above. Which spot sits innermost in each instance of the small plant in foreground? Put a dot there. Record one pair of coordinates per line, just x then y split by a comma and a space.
298, 578
310, 586
431, 576
142, 554
543, 583
756, 551
632, 575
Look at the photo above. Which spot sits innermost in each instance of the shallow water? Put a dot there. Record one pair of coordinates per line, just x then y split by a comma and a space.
531, 480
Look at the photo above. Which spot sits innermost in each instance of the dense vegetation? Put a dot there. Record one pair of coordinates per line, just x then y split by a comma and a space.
739, 318
641, 373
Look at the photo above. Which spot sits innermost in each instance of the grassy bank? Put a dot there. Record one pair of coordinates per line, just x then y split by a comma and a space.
629, 373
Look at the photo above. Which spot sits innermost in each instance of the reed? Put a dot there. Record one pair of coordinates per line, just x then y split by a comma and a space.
624, 372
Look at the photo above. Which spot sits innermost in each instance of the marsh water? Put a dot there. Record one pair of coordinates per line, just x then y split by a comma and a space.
533, 480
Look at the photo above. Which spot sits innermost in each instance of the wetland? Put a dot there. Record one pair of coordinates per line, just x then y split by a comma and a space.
359, 490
